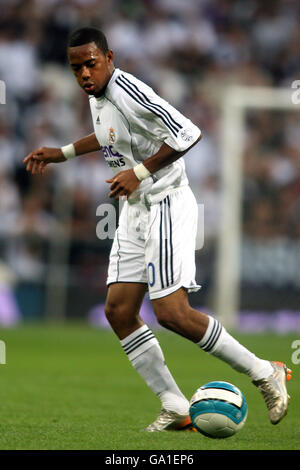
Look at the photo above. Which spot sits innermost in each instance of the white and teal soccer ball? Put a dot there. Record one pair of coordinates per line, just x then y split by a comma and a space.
218, 409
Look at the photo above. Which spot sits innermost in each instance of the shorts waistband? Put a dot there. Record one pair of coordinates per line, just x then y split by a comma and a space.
151, 199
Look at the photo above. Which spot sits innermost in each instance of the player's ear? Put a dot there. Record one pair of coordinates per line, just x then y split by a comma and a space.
109, 56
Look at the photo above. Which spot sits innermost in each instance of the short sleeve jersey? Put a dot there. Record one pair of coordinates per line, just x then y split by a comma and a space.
131, 123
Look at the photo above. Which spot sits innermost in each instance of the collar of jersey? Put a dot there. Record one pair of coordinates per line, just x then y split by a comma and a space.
101, 99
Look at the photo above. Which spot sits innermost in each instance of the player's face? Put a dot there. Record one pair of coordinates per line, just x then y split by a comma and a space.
91, 67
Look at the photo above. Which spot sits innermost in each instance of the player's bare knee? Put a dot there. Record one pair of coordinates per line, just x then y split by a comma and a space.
113, 312
120, 316
168, 317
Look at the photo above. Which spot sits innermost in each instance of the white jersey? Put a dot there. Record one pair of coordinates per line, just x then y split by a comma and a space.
131, 123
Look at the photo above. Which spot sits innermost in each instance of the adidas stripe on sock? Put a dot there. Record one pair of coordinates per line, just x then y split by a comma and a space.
218, 342
145, 354
138, 342
211, 335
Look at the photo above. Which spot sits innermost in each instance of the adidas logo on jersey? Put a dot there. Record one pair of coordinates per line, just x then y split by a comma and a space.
98, 120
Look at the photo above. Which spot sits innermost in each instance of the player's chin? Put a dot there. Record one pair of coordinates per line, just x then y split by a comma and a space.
90, 89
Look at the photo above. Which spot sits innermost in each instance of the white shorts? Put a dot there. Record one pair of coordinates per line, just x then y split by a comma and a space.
155, 244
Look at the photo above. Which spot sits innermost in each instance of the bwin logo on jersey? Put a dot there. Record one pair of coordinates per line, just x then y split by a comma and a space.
113, 158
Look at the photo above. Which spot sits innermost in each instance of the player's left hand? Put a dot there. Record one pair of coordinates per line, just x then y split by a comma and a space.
123, 184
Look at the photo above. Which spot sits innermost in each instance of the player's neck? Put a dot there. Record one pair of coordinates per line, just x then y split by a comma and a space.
102, 92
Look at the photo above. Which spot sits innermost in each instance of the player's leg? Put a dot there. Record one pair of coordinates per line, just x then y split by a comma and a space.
141, 346
127, 280
175, 313
122, 307
171, 262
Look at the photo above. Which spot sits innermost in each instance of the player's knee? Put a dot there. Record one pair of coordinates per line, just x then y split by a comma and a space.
119, 315
167, 317
113, 312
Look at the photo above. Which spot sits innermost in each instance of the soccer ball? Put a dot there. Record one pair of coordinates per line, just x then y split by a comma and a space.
218, 409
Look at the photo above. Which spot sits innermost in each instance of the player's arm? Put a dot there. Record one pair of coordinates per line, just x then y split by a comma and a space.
37, 160
146, 110
125, 182
165, 156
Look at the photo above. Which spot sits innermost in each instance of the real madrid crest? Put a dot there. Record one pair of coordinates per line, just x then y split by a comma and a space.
111, 136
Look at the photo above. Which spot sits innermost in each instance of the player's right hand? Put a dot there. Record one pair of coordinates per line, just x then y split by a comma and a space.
37, 160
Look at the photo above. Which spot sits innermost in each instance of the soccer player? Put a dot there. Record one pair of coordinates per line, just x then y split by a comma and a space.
143, 139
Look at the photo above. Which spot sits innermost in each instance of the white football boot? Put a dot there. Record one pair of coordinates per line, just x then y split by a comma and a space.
170, 421
274, 392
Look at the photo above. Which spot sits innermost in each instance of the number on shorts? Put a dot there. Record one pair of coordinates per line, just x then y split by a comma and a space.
151, 274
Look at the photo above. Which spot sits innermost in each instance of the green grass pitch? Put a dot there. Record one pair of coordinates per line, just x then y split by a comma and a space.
72, 387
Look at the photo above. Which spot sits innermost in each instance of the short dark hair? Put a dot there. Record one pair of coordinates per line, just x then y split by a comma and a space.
85, 35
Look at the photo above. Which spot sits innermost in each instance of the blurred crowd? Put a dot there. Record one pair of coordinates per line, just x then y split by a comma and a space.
189, 52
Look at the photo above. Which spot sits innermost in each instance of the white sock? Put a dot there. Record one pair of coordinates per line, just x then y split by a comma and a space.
146, 356
218, 342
